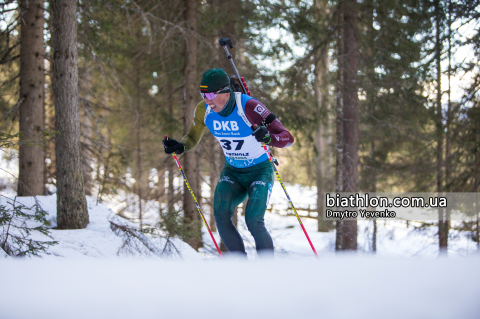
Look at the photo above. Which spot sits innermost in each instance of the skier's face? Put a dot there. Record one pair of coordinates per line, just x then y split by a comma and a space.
218, 102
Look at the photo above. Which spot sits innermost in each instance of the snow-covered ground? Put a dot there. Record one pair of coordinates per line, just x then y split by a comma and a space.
88, 275
332, 287
98, 239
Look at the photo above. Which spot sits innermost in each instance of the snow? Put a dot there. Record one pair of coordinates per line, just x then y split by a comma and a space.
332, 287
88, 275
92, 280
97, 240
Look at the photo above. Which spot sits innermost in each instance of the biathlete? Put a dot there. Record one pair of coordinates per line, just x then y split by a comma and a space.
231, 117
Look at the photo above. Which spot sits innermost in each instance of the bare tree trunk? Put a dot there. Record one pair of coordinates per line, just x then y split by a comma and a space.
49, 114
371, 172
190, 101
161, 184
323, 107
171, 188
139, 177
50, 163
170, 163
348, 228
198, 156
104, 154
321, 93
213, 180
442, 239
448, 134
87, 145
339, 143
87, 151
198, 194
71, 203
351, 112
85, 71
32, 82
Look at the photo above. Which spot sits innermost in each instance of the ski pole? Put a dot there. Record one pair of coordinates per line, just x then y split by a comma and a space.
286, 193
195, 200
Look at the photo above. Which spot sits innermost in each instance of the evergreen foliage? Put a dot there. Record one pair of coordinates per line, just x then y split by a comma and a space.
9, 65
22, 229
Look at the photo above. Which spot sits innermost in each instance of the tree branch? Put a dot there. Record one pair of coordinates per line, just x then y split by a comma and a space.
14, 108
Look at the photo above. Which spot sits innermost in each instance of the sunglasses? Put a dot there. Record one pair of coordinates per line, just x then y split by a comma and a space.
212, 95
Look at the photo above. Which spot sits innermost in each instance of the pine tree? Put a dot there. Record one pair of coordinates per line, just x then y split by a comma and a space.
32, 79
350, 119
71, 203
190, 101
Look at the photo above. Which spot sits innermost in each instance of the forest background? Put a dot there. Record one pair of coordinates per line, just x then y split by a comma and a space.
381, 96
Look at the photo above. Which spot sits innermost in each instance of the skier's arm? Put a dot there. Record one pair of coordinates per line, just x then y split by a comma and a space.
197, 128
258, 114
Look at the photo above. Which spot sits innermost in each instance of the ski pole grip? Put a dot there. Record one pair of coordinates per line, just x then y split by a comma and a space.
225, 41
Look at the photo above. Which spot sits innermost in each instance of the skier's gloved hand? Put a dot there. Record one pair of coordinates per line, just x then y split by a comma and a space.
173, 146
261, 134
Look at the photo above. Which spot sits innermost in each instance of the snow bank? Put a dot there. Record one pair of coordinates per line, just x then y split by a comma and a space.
295, 285
97, 239
340, 287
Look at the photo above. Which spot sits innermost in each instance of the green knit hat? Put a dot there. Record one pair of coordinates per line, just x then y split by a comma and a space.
214, 80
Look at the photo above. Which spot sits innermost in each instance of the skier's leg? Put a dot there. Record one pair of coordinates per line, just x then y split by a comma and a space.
229, 193
258, 195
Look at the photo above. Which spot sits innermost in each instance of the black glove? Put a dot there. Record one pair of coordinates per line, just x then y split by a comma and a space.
173, 146
261, 134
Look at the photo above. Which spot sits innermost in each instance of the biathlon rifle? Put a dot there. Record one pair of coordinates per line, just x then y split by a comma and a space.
238, 83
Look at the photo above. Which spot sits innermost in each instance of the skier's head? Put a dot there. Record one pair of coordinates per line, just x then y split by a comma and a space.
215, 80
215, 88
